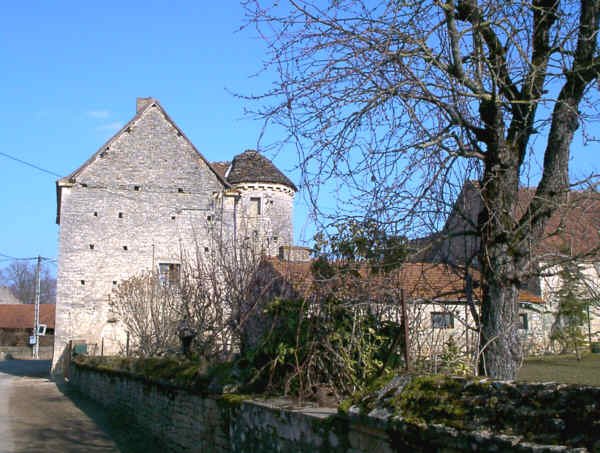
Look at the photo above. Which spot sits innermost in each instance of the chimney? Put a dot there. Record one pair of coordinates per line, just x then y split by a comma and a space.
142, 103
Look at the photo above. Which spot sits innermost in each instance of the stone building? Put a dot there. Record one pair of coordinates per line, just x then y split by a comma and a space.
7, 297
572, 234
145, 200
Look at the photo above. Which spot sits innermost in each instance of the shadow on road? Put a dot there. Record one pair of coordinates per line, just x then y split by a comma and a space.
26, 368
117, 424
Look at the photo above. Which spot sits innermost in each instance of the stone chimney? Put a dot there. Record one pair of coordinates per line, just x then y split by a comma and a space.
142, 103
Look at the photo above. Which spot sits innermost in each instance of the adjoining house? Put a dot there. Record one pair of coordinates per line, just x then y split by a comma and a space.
7, 297
17, 324
571, 234
441, 306
146, 200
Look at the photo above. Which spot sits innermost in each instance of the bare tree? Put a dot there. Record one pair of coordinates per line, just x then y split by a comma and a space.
400, 103
150, 311
208, 292
20, 277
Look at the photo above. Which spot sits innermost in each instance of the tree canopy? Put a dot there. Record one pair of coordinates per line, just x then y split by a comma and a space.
399, 103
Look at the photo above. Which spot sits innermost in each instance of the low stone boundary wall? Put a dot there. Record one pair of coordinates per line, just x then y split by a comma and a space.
190, 422
24, 352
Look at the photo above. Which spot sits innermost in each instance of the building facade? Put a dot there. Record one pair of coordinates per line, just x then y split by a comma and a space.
146, 200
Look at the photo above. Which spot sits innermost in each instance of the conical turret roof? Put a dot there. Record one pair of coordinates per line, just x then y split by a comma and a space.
251, 166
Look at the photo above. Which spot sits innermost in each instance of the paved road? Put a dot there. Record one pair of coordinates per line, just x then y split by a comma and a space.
36, 415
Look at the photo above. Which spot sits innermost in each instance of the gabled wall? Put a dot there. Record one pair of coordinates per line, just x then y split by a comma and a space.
142, 200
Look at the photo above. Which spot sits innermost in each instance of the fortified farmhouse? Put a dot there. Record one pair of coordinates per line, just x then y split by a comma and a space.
147, 199
144, 200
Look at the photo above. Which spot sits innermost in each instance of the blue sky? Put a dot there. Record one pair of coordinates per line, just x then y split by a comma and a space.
71, 73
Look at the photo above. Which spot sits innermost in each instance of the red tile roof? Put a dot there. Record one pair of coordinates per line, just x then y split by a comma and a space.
20, 316
420, 281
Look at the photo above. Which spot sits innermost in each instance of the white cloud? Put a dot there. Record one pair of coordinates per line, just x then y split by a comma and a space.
110, 127
98, 114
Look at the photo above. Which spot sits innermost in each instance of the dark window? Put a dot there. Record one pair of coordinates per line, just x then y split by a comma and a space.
180, 190
523, 321
95, 213
168, 273
83, 282
136, 188
125, 247
91, 246
120, 215
442, 320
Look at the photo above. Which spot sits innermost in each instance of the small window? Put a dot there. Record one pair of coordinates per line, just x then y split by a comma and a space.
83, 282
281, 252
206, 249
91, 246
275, 238
172, 217
442, 320
168, 273
120, 215
114, 283
95, 213
180, 190
209, 218
254, 207
523, 321
125, 247
136, 188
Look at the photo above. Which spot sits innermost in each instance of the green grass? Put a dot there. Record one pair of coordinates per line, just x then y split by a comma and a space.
562, 368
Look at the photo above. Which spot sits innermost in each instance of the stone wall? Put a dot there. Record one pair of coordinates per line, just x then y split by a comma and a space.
24, 352
190, 421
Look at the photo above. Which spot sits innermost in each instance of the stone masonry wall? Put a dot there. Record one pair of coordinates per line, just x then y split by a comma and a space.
191, 422
147, 198
138, 204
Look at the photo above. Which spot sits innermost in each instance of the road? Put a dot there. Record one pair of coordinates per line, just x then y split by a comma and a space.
37, 415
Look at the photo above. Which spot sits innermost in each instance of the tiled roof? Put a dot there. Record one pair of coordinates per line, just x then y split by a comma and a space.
251, 166
6, 296
221, 167
574, 228
420, 281
20, 316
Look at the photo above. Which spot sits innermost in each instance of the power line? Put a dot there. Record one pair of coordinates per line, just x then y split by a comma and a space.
29, 164
14, 258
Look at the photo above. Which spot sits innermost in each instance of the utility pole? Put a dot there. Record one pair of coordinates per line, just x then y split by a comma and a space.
36, 310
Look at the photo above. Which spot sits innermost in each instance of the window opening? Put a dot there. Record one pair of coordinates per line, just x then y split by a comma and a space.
523, 321
255, 206
168, 273
442, 320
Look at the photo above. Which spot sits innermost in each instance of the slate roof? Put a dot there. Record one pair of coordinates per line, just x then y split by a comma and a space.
251, 166
20, 316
